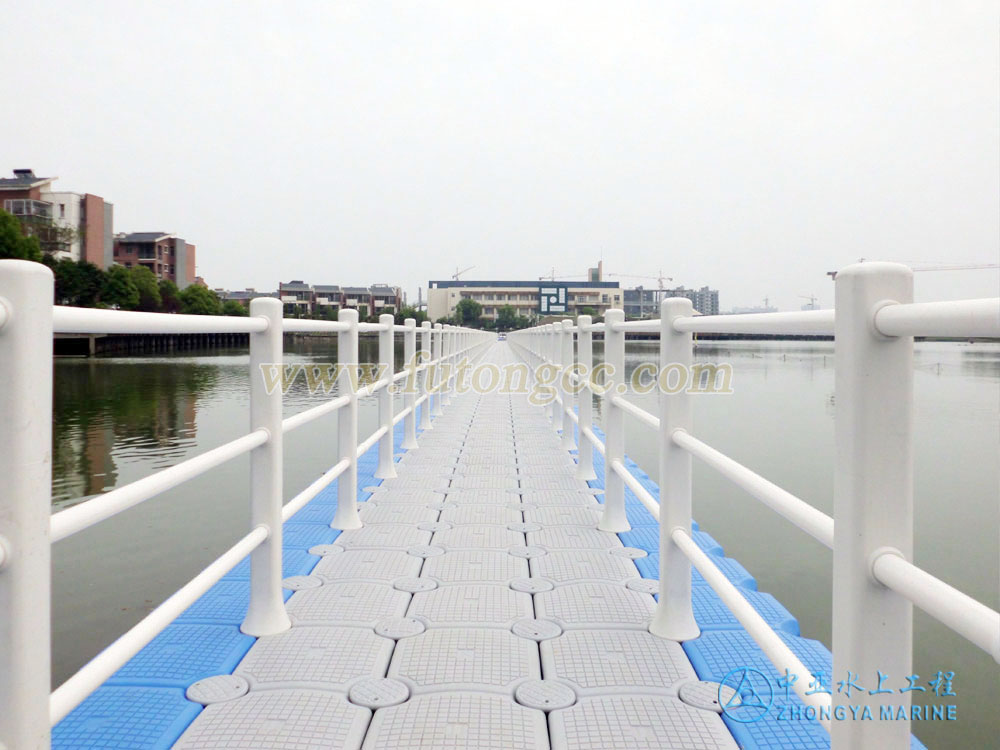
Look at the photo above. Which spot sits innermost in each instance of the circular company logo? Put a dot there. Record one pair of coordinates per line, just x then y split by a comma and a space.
752, 695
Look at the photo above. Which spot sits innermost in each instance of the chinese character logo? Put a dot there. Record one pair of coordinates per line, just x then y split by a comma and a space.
751, 698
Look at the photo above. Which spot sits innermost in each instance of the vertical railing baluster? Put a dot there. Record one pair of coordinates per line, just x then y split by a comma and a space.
410, 384
26, 290
266, 612
425, 357
435, 384
446, 352
346, 516
673, 617
585, 403
565, 367
548, 359
558, 406
872, 498
386, 361
614, 518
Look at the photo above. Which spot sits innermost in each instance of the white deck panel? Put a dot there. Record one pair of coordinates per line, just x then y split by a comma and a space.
479, 607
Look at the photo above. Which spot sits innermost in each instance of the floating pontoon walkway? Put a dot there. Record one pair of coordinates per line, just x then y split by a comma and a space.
479, 607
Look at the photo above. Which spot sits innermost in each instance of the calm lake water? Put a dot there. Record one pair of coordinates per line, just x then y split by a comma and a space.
117, 420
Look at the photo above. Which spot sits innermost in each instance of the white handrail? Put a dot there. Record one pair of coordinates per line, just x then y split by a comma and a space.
814, 522
298, 502
970, 318
781, 656
971, 619
805, 322
87, 320
638, 412
304, 417
640, 492
92, 675
84, 515
874, 404
27, 527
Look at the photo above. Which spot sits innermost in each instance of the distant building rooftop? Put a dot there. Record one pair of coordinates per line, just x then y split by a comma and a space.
22, 179
529, 284
142, 236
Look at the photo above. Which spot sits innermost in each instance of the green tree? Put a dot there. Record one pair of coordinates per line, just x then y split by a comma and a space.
119, 290
199, 300
77, 283
234, 308
506, 318
410, 312
13, 243
170, 300
587, 311
149, 289
468, 311
362, 312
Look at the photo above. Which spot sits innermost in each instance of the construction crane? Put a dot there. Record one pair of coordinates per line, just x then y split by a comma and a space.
659, 279
459, 273
552, 276
812, 300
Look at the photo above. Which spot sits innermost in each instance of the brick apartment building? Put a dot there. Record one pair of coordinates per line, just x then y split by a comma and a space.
301, 298
166, 255
77, 226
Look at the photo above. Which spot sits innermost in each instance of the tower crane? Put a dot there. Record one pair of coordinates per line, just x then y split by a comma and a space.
459, 273
552, 276
659, 279
812, 300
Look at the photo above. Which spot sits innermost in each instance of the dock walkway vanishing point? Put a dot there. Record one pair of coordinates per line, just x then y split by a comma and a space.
478, 607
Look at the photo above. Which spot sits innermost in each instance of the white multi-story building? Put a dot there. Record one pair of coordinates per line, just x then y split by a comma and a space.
528, 298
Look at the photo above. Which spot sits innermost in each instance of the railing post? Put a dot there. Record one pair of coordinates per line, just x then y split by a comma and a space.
614, 518
558, 407
425, 357
446, 351
585, 398
566, 366
548, 358
410, 397
266, 612
26, 467
674, 618
872, 497
386, 360
438, 368
346, 516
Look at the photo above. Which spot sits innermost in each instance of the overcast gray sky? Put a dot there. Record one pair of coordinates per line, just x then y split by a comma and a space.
747, 146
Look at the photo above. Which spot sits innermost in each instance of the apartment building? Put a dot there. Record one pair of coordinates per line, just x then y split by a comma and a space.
77, 226
304, 299
165, 254
645, 303
528, 298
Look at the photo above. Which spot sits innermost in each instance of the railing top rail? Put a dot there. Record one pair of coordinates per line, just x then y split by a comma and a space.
87, 320
960, 318
806, 321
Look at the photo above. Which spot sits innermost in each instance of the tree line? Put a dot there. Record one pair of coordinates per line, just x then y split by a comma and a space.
84, 284
469, 313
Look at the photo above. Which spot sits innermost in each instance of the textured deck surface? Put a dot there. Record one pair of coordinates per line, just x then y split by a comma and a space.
478, 607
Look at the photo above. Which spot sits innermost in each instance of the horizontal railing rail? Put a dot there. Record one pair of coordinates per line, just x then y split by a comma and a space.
875, 585
28, 528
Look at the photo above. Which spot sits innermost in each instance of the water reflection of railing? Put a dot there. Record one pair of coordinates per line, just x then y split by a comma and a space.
875, 585
27, 527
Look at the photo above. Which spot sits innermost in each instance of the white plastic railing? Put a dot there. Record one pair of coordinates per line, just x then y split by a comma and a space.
871, 532
27, 527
